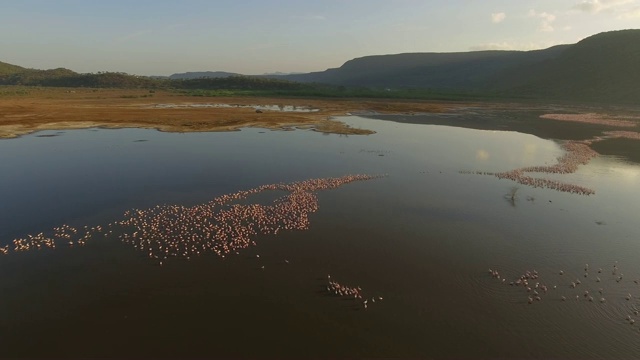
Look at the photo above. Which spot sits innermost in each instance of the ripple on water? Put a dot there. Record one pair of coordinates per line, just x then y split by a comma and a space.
568, 326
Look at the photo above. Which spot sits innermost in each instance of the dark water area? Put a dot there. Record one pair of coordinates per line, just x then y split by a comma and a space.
423, 238
528, 122
628, 149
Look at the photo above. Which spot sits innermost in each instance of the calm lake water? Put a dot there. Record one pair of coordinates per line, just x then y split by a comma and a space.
423, 238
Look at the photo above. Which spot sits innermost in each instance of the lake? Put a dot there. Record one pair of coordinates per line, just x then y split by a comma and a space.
419, 240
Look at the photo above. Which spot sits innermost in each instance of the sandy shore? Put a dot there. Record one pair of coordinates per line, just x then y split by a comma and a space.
25, 110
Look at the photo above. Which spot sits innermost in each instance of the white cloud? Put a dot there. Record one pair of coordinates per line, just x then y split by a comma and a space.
546, 20
587, 6
498, 17
596, 6
633, 13
545, 26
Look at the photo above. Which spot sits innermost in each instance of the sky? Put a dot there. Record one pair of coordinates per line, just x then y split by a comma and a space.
162, 37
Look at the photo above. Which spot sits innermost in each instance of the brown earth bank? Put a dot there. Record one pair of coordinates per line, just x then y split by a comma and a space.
24, 110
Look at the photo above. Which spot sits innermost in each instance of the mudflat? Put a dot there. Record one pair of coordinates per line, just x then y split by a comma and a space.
24, 110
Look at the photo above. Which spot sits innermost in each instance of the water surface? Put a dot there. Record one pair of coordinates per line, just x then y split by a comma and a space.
423, 238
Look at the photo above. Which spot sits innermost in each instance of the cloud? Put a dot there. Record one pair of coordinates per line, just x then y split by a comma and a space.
596, 6
498, 17
633, 13
546, 20
545, 26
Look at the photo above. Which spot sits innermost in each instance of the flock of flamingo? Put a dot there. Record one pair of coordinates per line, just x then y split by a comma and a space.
221, 226
571, 288
593, 118
576, 153
337, 289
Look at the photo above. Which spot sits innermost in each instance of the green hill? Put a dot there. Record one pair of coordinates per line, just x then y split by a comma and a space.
103, 80
34, 77
7, 69
602, 68
67, 78
461, 71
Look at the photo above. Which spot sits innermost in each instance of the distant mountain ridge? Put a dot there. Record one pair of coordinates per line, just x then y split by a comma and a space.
601, 68
445, 71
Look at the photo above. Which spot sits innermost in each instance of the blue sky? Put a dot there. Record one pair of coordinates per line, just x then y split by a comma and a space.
162, 37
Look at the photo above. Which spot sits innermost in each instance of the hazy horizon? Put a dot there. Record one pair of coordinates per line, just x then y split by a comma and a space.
255, 37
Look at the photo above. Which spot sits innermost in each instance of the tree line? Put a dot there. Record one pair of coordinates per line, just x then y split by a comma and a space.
66, 78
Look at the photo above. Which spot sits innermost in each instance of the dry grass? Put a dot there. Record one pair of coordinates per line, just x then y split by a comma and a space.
58, 108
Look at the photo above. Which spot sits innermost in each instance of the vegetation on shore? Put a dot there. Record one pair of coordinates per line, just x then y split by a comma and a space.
328, 91
231, 86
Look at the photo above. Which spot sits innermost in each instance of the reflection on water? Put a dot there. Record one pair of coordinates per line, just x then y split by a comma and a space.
423, 238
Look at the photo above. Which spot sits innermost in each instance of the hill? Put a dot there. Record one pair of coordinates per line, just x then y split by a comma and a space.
7, 69
67, 78
462, 71
602, 68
